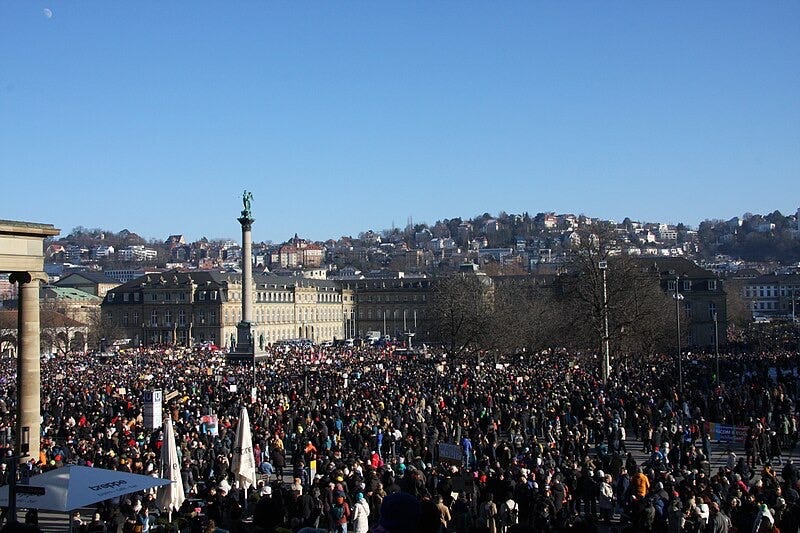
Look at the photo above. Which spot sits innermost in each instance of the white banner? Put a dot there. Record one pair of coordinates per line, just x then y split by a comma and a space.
152, 401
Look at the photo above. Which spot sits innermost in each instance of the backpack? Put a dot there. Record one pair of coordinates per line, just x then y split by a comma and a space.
511, 513
316, 507
487, 512
337, 512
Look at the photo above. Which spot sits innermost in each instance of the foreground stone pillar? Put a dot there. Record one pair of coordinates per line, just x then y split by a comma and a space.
28, 361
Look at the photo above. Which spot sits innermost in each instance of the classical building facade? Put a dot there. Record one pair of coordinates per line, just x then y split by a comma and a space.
204, 306
701, 298
773, 295
392, 306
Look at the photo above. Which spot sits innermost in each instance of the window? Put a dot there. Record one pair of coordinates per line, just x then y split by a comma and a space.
687, 309
154, 318
712, 284
124, 319
687, 285
167, 297
671, 285
212, 318
136, 296
153, 297
168, 317
712, 310
111, 296
202, 317
182, 317
125, 297
201, 295
135, 318
109, 316
214, 295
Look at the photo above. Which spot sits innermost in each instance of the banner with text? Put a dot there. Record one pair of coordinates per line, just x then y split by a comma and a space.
726, 433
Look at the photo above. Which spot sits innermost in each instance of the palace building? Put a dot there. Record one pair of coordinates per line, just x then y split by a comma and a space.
190, 307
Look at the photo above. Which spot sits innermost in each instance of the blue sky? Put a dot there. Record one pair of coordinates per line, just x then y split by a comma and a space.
347, 116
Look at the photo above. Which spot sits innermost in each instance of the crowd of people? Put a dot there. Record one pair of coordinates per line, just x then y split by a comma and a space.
349, 439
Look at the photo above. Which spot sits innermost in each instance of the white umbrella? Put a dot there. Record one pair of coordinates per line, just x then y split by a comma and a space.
73, 487
243, 463
171, 496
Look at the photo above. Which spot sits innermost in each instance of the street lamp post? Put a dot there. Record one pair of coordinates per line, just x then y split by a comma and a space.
603, 265
716, 344
678, 297
13, 463
794, 317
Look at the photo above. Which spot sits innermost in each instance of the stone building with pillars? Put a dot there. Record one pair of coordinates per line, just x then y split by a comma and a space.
59, 333
22, 255
204, 306
393, 305
701, 299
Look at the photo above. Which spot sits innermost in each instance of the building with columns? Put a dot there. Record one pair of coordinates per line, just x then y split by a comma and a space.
393, 305
204, 306
22, 255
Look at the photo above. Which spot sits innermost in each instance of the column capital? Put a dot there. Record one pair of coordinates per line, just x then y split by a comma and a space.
246, 221
23, 277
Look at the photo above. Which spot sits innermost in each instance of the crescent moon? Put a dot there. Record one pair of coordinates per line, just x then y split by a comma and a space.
47, 13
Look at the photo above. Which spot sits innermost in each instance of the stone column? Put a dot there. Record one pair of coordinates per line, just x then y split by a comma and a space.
28, 360
245, 344
247, 268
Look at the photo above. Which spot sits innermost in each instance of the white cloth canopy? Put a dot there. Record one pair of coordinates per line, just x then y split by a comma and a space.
170, 496
73, 487
243, 462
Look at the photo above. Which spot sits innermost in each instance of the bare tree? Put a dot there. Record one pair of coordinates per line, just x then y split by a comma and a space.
59, 327
102, 327
639, 314
525, 315
8, 331
461, 309
739, 313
